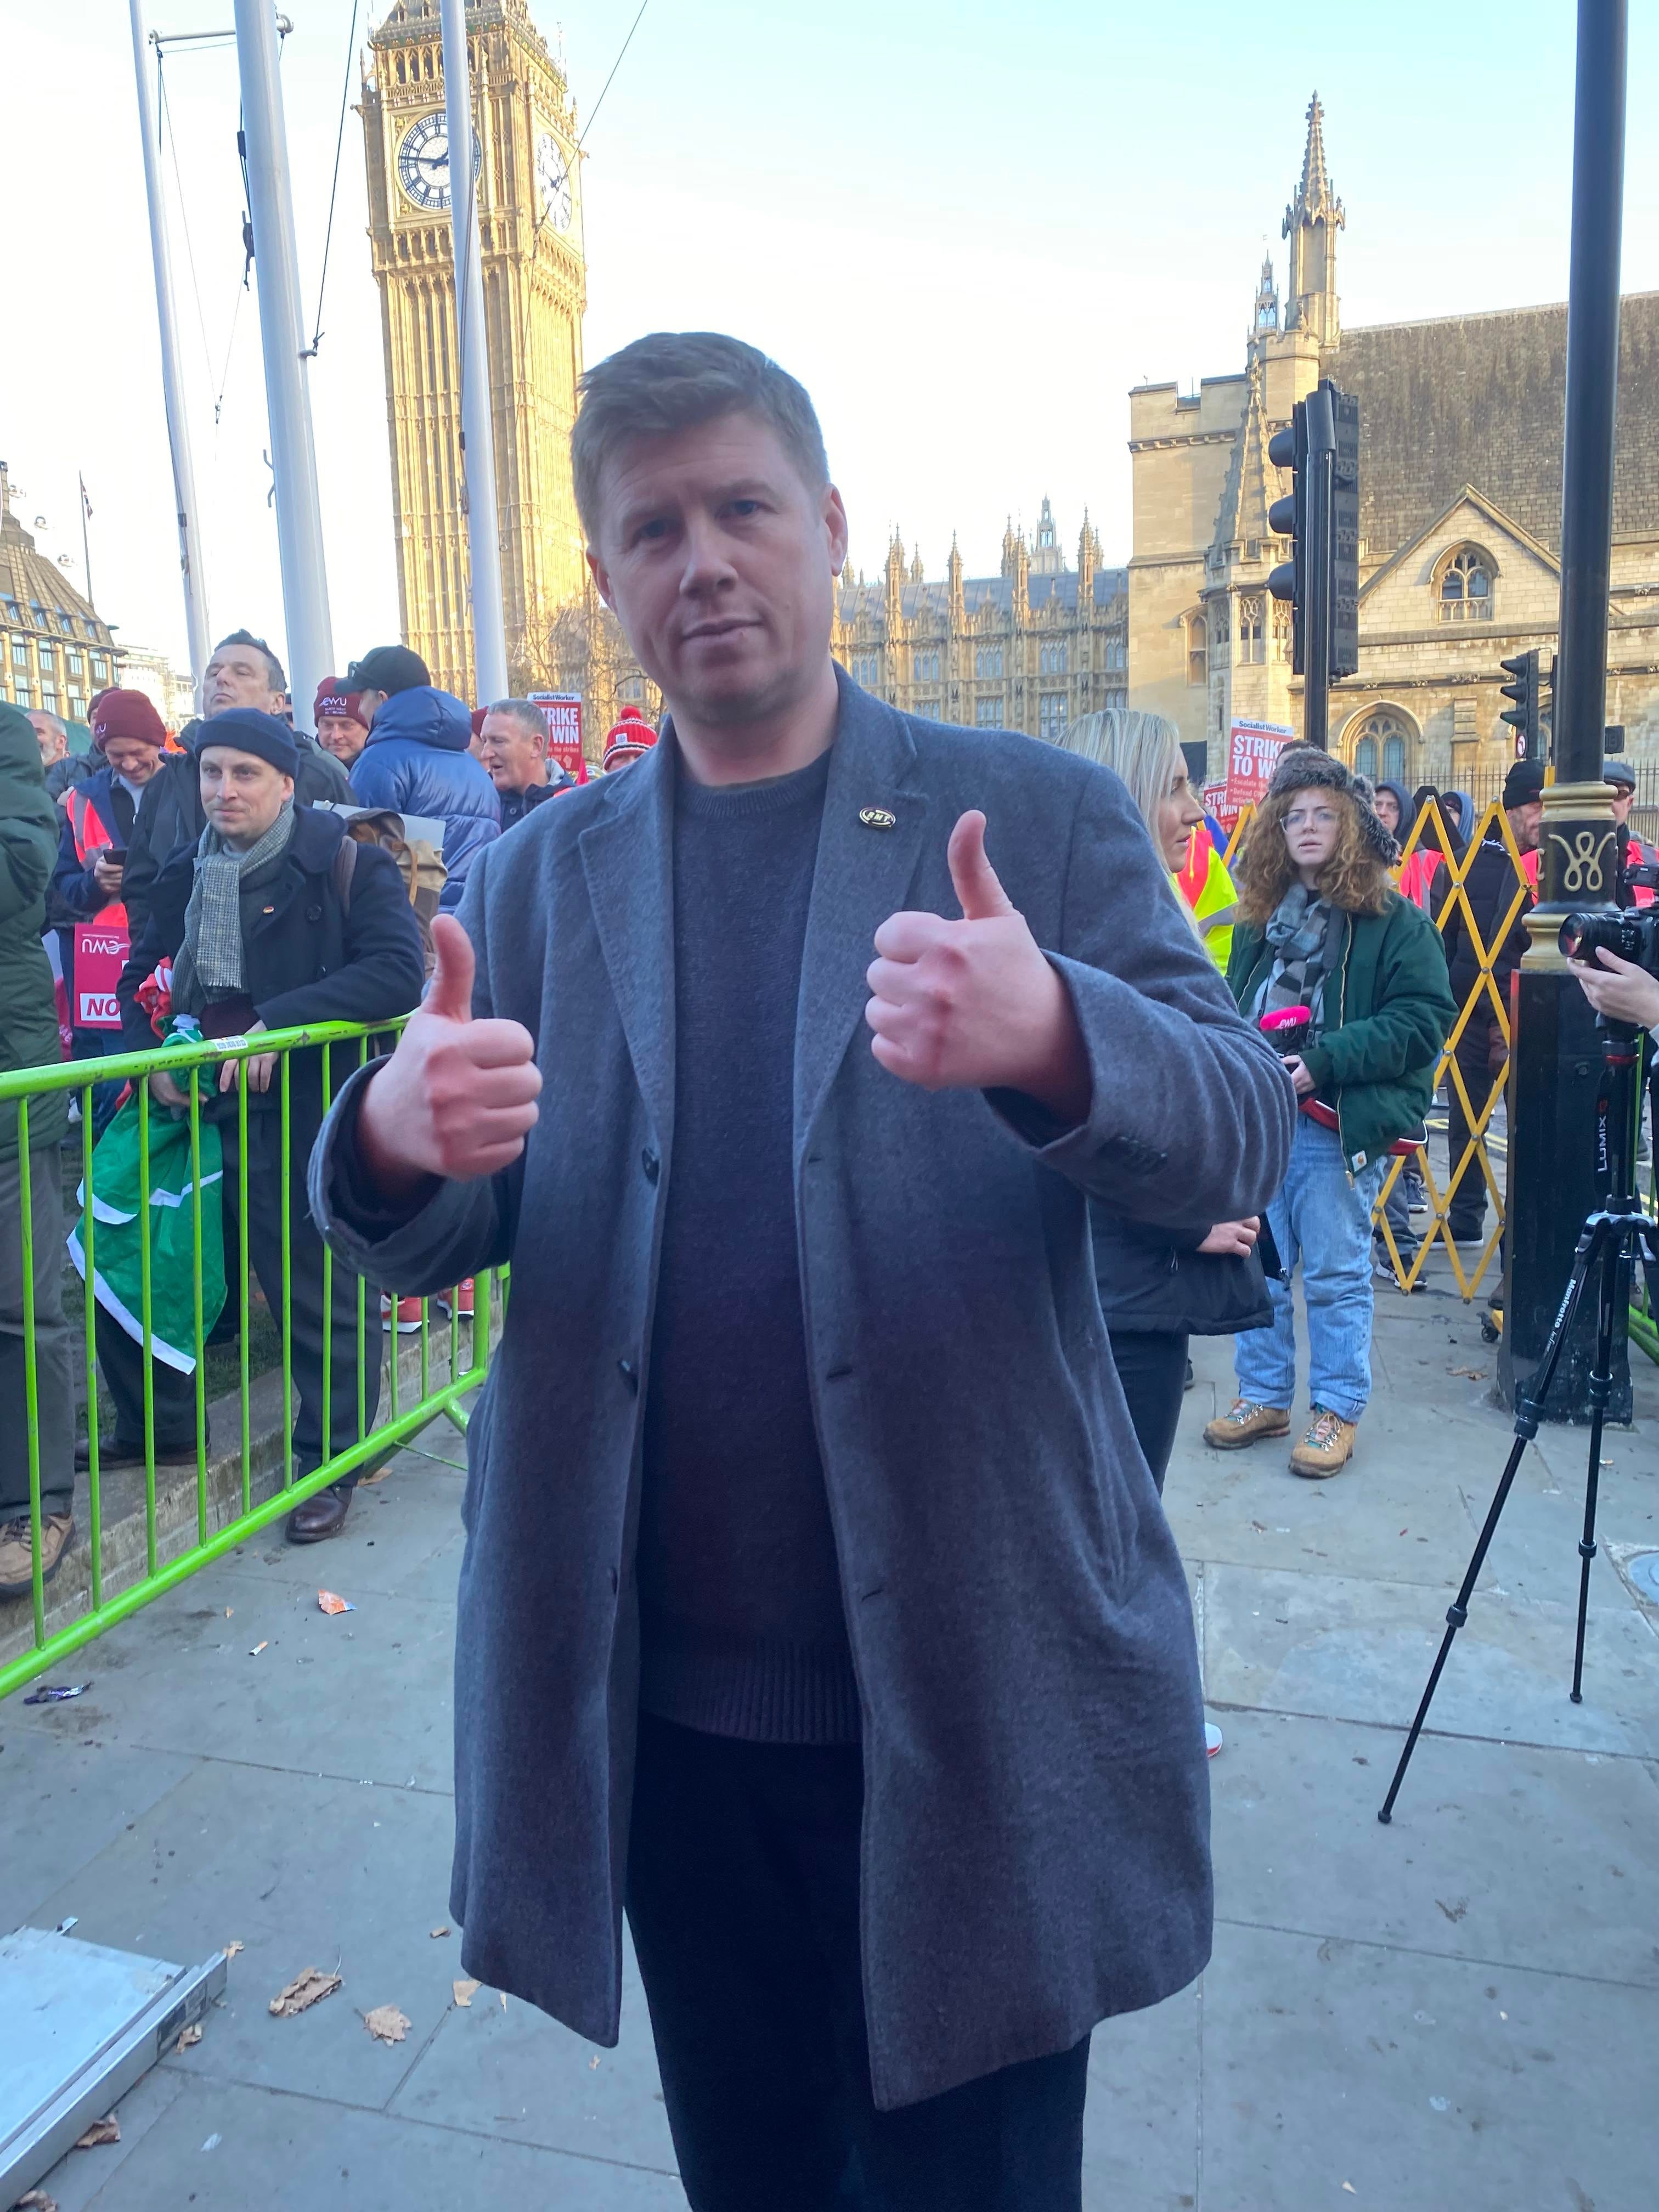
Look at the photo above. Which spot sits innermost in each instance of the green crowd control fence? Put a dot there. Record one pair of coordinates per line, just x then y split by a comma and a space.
361, 1389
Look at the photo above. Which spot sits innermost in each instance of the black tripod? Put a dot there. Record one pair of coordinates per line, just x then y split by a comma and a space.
1612, 1238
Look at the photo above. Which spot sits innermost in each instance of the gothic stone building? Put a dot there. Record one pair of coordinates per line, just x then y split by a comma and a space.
1461, 441
1029, 649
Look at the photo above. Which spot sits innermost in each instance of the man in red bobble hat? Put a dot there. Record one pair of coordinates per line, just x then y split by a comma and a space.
631, 739
342, 729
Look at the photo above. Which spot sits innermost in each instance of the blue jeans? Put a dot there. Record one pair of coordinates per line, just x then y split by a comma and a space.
1324, 1220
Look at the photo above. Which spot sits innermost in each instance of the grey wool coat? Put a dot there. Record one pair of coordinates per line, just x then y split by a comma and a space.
1035, 1846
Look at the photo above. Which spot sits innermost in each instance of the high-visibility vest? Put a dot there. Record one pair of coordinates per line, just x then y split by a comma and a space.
1207, 888
93, 837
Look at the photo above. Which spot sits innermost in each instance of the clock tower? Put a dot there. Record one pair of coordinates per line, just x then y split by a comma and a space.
529, 224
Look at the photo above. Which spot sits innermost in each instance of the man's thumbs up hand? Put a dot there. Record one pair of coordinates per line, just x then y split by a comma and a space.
973, 1004
457, 1097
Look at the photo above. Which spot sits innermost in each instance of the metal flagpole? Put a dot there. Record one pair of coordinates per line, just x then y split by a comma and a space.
282, 338
172, 384
477, 440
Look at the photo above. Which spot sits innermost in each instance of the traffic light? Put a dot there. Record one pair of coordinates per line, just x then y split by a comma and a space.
1287, 517
1523, 717
1344, 535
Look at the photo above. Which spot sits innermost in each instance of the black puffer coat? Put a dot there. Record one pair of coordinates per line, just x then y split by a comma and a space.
1148, 1283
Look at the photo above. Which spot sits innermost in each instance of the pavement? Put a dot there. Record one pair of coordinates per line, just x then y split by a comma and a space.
1459, 2011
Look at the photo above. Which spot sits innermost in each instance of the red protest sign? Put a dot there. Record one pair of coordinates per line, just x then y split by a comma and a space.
1252, 756
101, 954
562, 713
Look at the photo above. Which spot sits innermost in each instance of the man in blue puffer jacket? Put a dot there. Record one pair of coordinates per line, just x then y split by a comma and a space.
417, 759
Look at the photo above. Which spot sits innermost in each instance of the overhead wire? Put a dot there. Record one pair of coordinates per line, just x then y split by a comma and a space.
339, 142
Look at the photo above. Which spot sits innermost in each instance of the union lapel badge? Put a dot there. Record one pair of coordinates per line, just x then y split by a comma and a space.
878, 818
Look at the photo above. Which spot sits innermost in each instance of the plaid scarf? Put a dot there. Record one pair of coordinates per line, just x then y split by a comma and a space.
211, 959
1302, 932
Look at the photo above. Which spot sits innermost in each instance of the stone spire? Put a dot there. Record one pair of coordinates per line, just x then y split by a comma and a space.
953, 578
1311, 223
1244, 496
1088, 560
1265, 316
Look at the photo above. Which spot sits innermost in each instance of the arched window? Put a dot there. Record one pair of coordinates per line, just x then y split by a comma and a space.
1250, 644
1384, 743
1465, 586
1197, 649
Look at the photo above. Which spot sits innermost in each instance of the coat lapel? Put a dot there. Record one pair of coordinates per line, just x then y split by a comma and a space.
627, 858
874, 822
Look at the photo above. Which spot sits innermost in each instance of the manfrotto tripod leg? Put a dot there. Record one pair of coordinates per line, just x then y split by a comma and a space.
1609, 1277
1590, 1240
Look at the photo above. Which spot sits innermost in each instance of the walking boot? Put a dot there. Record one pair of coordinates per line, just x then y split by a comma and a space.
1246, 1422
1328, 1446
321, 1515
16, 1557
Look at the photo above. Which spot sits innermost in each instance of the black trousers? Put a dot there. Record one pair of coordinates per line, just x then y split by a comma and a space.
1151, 1366
743, 1897
1466, 1217
123, 1360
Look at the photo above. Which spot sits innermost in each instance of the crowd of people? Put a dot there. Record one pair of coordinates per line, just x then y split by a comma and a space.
871, 1169
224, 880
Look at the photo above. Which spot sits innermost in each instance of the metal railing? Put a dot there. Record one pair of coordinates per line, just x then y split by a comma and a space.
227, 1510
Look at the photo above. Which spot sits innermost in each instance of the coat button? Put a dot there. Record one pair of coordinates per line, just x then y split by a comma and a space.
625, 1368
314, 913
651, 1163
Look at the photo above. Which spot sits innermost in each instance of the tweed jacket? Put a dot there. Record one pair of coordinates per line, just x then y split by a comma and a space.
1036, 1827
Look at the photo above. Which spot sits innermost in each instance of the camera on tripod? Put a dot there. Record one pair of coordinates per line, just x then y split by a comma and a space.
1631, 934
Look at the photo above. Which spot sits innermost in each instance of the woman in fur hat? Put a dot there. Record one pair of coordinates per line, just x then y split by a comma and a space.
1321, 926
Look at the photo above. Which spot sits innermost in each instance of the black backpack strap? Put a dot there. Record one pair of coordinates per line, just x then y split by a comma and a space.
345, 866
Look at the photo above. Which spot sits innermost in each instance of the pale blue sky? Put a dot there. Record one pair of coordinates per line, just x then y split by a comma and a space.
968, 228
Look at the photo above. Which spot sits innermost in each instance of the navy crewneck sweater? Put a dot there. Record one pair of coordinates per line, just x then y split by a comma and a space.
742, 1629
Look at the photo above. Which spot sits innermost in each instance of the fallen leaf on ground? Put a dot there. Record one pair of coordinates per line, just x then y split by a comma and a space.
464, 1992
188, 2038
233, 1947
327, 1602
437, 1932
305, 1990
387, 2024
367, 1481
230, 1609
1469, 1375
106, 2131
259, 1647
36, 2200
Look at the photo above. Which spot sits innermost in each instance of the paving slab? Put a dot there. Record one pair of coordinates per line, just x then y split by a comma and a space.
1510, 1854
1345, 1647
1421, 2083
1141, 2137
222, 2146
67, 1795
513, 2072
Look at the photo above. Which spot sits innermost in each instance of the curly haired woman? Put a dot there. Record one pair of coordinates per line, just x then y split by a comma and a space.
1321, 926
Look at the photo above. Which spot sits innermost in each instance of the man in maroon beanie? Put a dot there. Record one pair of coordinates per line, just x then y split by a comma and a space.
342, 729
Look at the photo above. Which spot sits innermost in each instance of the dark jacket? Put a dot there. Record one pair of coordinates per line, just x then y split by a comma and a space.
170, 818
416, 761
1147, 1284
1491, 886
310, 958
516, 804
29, 1006
75, 893
74, 767
1387, 1011
1035, 1812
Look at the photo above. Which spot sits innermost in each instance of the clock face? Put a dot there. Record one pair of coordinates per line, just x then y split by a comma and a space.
553, 182
423, 160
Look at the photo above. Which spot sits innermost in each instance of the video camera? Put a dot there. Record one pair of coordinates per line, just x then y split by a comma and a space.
1632, 934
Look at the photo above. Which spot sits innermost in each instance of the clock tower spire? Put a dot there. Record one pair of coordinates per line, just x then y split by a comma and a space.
535, 287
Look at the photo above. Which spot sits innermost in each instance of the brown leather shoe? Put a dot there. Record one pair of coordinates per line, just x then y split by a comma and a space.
320, 1516
114, 1454
16, 1555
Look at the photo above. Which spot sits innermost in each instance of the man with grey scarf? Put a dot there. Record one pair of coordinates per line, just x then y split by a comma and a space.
271, 922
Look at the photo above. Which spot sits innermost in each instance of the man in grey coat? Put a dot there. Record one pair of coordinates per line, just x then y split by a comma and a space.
818, 1606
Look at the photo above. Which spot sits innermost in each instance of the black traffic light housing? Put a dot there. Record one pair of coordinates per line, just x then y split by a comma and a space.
1320, 448
1287, 517
1523, 717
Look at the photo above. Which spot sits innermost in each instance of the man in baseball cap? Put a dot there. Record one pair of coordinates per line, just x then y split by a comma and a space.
341, 725
382, 673
1632, 853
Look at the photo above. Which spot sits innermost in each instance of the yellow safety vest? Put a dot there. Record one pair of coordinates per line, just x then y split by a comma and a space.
1215, 894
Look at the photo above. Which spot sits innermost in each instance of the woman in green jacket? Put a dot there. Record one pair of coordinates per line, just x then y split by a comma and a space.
1321, 926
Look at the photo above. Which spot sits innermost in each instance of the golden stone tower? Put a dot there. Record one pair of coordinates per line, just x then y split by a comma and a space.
529, 226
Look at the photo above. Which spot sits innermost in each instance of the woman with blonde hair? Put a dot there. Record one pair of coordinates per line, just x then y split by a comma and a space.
1324, 942
1156, 1292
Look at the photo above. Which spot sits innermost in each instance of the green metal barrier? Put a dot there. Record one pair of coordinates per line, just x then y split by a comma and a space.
399, 1419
